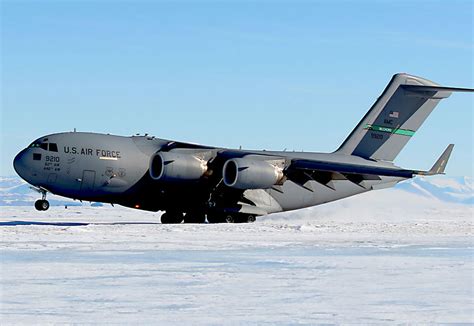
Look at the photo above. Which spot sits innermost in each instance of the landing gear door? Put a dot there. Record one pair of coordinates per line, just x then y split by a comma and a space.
88, 179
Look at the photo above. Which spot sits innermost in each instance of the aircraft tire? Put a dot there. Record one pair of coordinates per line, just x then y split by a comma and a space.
244, 218
171, 218
251, 218
42, 205
231, 218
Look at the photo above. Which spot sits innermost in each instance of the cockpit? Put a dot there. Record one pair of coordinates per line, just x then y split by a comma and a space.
44, 144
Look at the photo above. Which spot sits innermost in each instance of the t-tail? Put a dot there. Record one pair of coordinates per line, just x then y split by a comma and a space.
395, 117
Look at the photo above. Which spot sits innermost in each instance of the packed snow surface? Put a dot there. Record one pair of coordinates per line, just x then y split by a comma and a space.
383, 257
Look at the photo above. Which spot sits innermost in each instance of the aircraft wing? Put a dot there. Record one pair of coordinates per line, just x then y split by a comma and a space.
347, 168
302, 170
298, 170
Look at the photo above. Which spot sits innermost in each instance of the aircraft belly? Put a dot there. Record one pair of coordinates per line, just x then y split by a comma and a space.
263, 200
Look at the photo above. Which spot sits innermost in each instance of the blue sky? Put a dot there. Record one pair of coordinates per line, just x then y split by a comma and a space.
261, 75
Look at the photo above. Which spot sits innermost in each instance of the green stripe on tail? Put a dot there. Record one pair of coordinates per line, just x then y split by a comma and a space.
404, 132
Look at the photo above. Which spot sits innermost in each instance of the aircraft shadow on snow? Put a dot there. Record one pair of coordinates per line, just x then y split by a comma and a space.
26, 223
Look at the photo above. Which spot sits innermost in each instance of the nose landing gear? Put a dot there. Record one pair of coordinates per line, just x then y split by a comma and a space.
172, 217
42, 204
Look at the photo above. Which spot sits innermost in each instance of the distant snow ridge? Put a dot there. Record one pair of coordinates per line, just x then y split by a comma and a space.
16, 192
447, 189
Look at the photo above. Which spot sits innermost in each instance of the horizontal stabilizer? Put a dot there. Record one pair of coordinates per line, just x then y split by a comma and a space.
422, 88
440, 165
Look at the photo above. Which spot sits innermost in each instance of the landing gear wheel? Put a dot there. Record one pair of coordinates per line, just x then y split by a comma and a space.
194, 217
171, 218
237, 218
244, 218
42, 205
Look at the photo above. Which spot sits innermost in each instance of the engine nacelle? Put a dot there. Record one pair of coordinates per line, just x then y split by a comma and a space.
168, 166
244, 173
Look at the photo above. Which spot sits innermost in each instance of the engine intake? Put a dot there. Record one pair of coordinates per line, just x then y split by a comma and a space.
168, 166
244, 173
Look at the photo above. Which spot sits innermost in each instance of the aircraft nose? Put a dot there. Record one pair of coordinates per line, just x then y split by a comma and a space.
19, 163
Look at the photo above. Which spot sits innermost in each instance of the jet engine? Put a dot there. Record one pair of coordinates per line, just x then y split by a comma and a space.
168, 166
244, 173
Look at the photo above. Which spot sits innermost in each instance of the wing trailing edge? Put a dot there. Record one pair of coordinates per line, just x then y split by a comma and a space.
301, 171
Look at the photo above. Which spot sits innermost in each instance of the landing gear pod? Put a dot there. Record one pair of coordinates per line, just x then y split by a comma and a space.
168, 166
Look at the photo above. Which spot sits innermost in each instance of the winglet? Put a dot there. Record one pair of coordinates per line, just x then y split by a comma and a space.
440, 165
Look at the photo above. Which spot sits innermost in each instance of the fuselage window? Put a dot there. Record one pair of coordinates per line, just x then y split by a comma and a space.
53, 147
44, 146
36, 157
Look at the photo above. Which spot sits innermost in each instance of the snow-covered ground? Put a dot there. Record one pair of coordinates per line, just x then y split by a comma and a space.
385, 256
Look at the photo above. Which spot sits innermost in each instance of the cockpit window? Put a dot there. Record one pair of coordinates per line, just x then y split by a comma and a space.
53, 147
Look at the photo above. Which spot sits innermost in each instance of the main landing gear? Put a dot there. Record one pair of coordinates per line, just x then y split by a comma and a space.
42, 204
171, 217
231, 218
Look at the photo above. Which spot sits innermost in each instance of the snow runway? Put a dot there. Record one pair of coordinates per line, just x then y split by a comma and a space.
119, 266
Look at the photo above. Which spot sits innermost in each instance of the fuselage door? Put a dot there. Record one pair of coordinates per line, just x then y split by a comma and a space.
88, 179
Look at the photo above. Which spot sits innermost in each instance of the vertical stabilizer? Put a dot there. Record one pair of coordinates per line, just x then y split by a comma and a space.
394, 118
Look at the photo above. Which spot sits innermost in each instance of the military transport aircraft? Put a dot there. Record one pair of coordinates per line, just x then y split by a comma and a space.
192, 183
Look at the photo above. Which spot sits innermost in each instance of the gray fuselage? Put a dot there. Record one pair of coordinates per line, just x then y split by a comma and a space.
115, 169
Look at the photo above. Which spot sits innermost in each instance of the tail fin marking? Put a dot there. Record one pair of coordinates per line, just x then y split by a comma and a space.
395, 117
